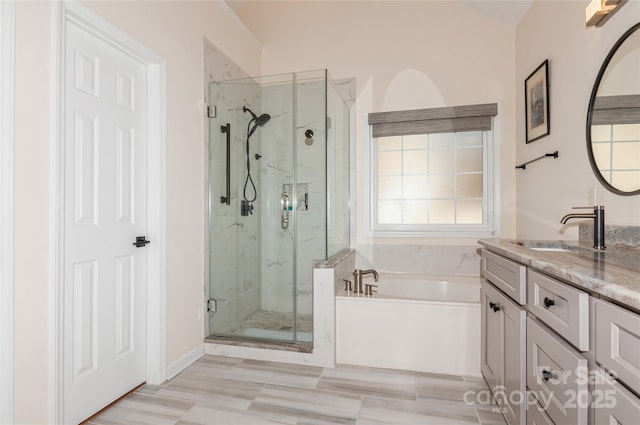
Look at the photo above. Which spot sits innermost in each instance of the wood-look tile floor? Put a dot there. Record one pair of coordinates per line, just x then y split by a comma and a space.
224, 390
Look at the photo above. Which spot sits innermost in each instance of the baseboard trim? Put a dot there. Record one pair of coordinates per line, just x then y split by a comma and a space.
185, 361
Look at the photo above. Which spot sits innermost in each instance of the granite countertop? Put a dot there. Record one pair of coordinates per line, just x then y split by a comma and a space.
613, 273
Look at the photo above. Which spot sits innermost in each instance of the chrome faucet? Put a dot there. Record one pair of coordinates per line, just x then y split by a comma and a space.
598, 223
358, 275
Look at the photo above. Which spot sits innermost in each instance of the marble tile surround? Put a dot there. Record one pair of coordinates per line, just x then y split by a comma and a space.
614, 234
420, 259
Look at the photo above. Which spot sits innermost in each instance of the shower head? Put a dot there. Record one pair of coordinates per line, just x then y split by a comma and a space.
258, 121
262, 119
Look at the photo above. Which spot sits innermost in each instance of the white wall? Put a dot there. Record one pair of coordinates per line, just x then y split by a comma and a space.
175, 30
404, 55
548, 189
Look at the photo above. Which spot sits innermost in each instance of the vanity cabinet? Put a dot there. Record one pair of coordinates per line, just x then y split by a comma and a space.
503, 357
574, 355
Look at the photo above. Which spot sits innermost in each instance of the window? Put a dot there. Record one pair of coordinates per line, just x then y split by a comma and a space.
432, 172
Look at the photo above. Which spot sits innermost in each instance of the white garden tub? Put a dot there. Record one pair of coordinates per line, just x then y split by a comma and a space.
424, 323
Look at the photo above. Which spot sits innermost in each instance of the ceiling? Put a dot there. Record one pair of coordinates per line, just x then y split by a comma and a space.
509, 12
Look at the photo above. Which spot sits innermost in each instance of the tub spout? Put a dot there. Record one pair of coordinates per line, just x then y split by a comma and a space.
371, 272
363, 273
357, 279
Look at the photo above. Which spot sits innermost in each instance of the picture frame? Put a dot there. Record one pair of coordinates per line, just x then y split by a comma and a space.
536, 98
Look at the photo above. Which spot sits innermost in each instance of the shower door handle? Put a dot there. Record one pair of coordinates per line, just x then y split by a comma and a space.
284, 217
227, 198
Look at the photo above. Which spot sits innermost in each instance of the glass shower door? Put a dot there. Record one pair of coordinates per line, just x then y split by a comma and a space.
252, 230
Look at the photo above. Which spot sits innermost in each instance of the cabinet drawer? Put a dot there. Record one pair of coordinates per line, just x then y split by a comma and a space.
536, 414
618, 343
614, 404
507, 275
555, 376
562, 307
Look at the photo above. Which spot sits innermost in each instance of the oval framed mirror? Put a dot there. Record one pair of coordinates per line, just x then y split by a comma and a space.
613, 118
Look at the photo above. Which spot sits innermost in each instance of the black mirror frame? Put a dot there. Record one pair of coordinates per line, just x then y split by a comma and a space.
592, 100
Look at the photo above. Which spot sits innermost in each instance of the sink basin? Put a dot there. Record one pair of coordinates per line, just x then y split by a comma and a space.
551, 246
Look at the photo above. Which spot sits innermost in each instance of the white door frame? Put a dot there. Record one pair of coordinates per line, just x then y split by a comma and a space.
7, 47
73, 11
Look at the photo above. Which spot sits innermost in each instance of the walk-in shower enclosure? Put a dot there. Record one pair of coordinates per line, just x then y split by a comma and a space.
262, 252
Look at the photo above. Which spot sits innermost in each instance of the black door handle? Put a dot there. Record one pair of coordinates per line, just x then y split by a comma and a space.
548, 302
141, 241
546, 374
494, 306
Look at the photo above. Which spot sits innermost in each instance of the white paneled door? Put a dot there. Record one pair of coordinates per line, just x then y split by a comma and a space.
105, 274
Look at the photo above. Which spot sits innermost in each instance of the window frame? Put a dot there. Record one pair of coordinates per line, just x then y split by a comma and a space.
490, 202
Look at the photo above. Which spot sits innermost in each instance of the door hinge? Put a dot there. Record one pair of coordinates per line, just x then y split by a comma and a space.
212, 305
211, 111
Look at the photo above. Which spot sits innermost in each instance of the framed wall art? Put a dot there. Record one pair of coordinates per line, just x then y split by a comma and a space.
536, 97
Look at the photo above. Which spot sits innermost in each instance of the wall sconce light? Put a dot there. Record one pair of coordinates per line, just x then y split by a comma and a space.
599, 11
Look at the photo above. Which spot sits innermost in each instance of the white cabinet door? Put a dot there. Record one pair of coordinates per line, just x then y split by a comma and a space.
491, 344
503, 351
618, 342
105, 275
612, 403
515, 360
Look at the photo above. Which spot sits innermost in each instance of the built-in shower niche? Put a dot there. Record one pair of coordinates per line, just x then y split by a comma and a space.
261, 262
300, 198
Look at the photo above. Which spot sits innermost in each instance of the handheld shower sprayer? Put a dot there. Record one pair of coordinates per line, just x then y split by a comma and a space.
257, 121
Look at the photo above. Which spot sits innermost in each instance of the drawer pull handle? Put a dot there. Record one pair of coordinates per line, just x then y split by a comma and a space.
495, 307
548, 302
546, 375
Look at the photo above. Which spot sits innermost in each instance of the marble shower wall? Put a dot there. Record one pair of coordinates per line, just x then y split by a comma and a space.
276, 168
255, 262
306, 232
311, 235
234, 259
338, 167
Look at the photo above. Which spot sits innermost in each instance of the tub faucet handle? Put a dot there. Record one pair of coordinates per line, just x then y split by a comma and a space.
347, 285
368, 289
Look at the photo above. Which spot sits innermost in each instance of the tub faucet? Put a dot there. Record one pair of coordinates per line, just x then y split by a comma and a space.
598, 223
359, 274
